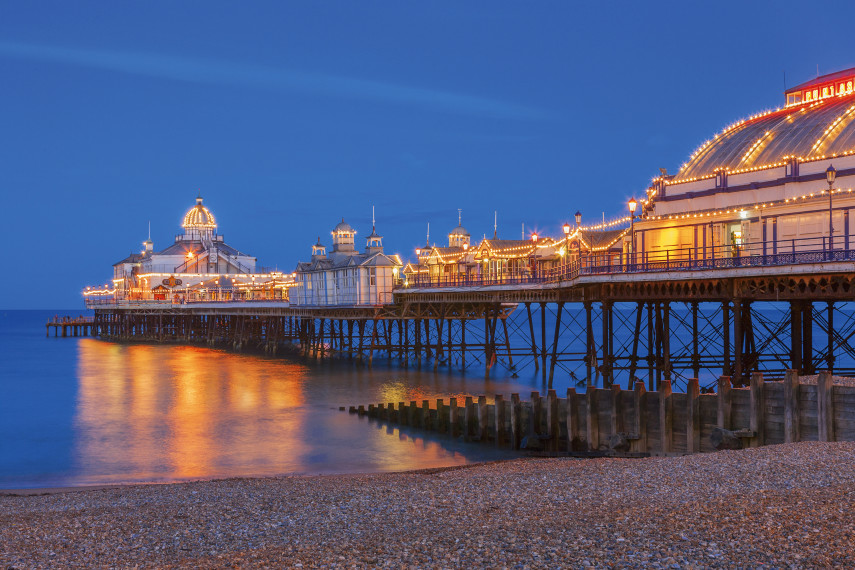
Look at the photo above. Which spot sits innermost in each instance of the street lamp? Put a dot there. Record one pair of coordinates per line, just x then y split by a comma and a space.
830, 175
578, 218
566, 228
632, 206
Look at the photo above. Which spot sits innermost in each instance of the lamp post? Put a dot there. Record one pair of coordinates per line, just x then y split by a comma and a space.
632, 206
566, 228
578, 218
830, 175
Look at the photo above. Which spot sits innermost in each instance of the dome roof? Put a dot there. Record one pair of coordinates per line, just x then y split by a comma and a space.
343, 227
199, 217
459, 231
809, 130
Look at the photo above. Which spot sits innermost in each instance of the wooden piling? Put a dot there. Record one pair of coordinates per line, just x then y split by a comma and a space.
482, 418
500, 420
426, 424
791, 407
824, 407
552, 428
412, 415
452, 417
593, 419
572, 419
640, 427
441, 414
758, 403
468, 418
724, 404
693, 416
536, 411
516, 412
666, 417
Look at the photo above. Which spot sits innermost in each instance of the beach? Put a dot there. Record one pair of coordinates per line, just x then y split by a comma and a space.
782, 505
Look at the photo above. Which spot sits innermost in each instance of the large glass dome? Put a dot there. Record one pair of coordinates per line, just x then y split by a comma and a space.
813, 130
199, 218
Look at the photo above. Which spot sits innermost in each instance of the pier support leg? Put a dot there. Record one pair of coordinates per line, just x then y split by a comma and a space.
555, 342
533, 342
829, 358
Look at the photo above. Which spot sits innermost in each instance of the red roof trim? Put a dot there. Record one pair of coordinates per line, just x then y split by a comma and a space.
822, 79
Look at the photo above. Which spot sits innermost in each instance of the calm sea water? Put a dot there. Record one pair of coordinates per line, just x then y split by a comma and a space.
80, 411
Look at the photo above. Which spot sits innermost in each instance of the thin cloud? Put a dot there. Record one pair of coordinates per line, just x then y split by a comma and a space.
266, 77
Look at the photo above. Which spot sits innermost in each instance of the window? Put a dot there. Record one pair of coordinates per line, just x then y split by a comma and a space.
372, 276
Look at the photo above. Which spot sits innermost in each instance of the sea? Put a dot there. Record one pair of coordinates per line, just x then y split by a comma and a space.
80, 411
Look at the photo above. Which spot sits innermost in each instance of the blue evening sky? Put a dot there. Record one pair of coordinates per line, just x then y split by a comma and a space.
288, 116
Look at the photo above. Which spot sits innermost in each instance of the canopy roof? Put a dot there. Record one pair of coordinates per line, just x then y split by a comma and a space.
809, 130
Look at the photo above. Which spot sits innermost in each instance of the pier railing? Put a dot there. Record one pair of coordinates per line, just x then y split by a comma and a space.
183, 297
697, 258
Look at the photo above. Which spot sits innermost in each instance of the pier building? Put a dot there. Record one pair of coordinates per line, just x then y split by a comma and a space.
456, 262
778, 182
198, 264
346, 277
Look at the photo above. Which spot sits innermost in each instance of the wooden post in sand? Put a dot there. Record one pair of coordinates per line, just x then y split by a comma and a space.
693, 416
552, 429
666, 417
500, 419
824, 407
468, 417
572, 418
791, 407
724, 402
482, 418
758, 408
516, 424
593, 419
640, 397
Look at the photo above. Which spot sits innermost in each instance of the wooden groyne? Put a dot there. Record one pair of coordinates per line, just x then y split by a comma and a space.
637, 421
71, 326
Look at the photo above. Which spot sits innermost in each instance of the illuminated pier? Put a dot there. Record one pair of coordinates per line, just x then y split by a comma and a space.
741, 262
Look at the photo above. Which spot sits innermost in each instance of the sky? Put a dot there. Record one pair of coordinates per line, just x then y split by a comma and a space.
289, 116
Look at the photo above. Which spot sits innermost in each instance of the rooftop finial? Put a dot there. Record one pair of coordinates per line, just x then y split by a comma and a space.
495, 224
459, 217
427, 243
372, 219
149, 230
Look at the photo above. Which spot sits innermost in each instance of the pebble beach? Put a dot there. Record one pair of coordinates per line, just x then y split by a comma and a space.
780, 506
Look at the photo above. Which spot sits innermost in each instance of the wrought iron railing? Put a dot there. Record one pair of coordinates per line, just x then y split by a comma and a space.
699, 258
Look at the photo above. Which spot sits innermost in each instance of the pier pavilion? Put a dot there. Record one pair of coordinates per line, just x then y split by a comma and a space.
779, 182
199, 264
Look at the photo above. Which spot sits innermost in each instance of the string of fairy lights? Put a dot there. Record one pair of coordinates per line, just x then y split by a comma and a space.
749, 207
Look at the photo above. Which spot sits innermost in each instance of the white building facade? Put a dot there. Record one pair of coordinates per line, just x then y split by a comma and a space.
346, 277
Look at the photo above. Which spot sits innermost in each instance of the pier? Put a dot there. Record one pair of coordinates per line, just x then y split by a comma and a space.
741, 262
71, 326
600, 325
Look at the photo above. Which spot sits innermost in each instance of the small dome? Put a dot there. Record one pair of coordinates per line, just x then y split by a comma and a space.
343, 227
459, 231
199, 217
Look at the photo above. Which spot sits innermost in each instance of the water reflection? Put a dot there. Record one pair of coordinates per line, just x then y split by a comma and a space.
148, 413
